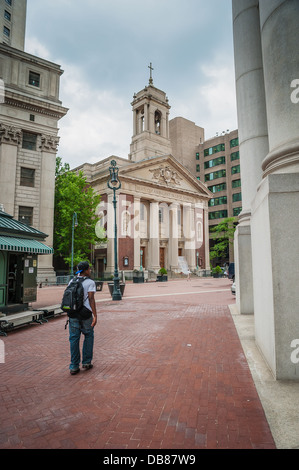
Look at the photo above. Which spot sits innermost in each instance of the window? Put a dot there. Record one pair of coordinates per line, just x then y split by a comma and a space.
158, 119
215, 162
234, 142
236, 183
32, 117
215, 175
237, 197
218, 215
236, 211
217, 187
27, 177
7, 15
217, 201
26, 215
34, 79
8, 2
197, 167
234, 156
197, 156
199, 231
6, 31
29, 141
215, 149
235, 169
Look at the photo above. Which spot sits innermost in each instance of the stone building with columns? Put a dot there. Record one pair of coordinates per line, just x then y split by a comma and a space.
266, 52
162, 209
30, 110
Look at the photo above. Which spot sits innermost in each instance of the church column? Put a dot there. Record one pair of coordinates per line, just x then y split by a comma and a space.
146, 112
154, 247
136, 232
174, 237
253, 139
189, 234
275, 222
135, 122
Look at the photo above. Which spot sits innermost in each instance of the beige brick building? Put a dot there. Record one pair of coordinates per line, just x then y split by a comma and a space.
215, 162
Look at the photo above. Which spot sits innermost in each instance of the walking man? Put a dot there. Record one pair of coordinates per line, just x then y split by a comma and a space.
84, 323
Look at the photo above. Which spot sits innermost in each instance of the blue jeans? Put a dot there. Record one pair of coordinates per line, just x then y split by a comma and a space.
77, 327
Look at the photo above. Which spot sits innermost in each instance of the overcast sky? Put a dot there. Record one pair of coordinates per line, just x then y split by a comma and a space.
105, 47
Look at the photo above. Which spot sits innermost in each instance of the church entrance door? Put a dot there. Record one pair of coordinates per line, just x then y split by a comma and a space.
162, 257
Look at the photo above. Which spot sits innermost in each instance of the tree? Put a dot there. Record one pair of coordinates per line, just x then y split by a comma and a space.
223, 234
73, 194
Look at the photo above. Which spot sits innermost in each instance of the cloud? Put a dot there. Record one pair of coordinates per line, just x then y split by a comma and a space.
105, 61
97, 124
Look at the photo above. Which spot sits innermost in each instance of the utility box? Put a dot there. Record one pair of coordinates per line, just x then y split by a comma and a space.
29, 278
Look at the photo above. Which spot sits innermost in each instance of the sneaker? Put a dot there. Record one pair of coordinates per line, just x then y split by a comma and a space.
74, 371
87, 366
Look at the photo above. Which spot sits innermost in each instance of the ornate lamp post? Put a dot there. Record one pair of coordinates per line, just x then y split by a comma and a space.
141, 253
114, 184
74, 224
197, 255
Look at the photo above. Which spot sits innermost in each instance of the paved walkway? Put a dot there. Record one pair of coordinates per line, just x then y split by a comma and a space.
169, 373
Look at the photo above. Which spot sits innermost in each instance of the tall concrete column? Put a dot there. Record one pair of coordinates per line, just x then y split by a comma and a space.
154, 246
275, 222
280, 37
253, 138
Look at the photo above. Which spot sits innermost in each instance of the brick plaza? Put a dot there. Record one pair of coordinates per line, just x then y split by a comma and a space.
169, 373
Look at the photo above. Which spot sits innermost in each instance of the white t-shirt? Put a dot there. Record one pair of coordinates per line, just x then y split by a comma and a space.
88, 286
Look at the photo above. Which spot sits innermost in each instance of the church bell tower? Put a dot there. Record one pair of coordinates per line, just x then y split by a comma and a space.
150, 123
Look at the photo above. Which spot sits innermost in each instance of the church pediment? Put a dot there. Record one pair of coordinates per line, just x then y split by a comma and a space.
167, 172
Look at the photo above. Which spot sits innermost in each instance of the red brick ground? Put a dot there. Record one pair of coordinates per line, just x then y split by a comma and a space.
169, 373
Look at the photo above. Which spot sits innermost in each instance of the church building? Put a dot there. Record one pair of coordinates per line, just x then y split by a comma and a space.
162, 208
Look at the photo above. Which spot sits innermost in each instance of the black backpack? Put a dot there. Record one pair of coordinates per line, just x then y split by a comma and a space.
73, 297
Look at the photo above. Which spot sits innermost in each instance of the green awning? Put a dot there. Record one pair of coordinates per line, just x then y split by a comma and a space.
24, 245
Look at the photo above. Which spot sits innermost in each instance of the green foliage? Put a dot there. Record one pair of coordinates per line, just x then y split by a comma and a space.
73, 194
217, 270
162, 271
223, 234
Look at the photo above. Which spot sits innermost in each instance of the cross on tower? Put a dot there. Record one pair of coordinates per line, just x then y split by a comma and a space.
151, 69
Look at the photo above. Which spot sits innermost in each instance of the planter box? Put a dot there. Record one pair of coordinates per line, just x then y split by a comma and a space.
121, 287
161, 278
138, 277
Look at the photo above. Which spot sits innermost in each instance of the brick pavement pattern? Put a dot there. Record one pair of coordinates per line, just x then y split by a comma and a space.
169, 373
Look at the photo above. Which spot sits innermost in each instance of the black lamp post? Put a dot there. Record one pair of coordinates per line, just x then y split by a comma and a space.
115, 184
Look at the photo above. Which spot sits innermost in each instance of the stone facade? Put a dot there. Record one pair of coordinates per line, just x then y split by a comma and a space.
13, 23
29, 114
